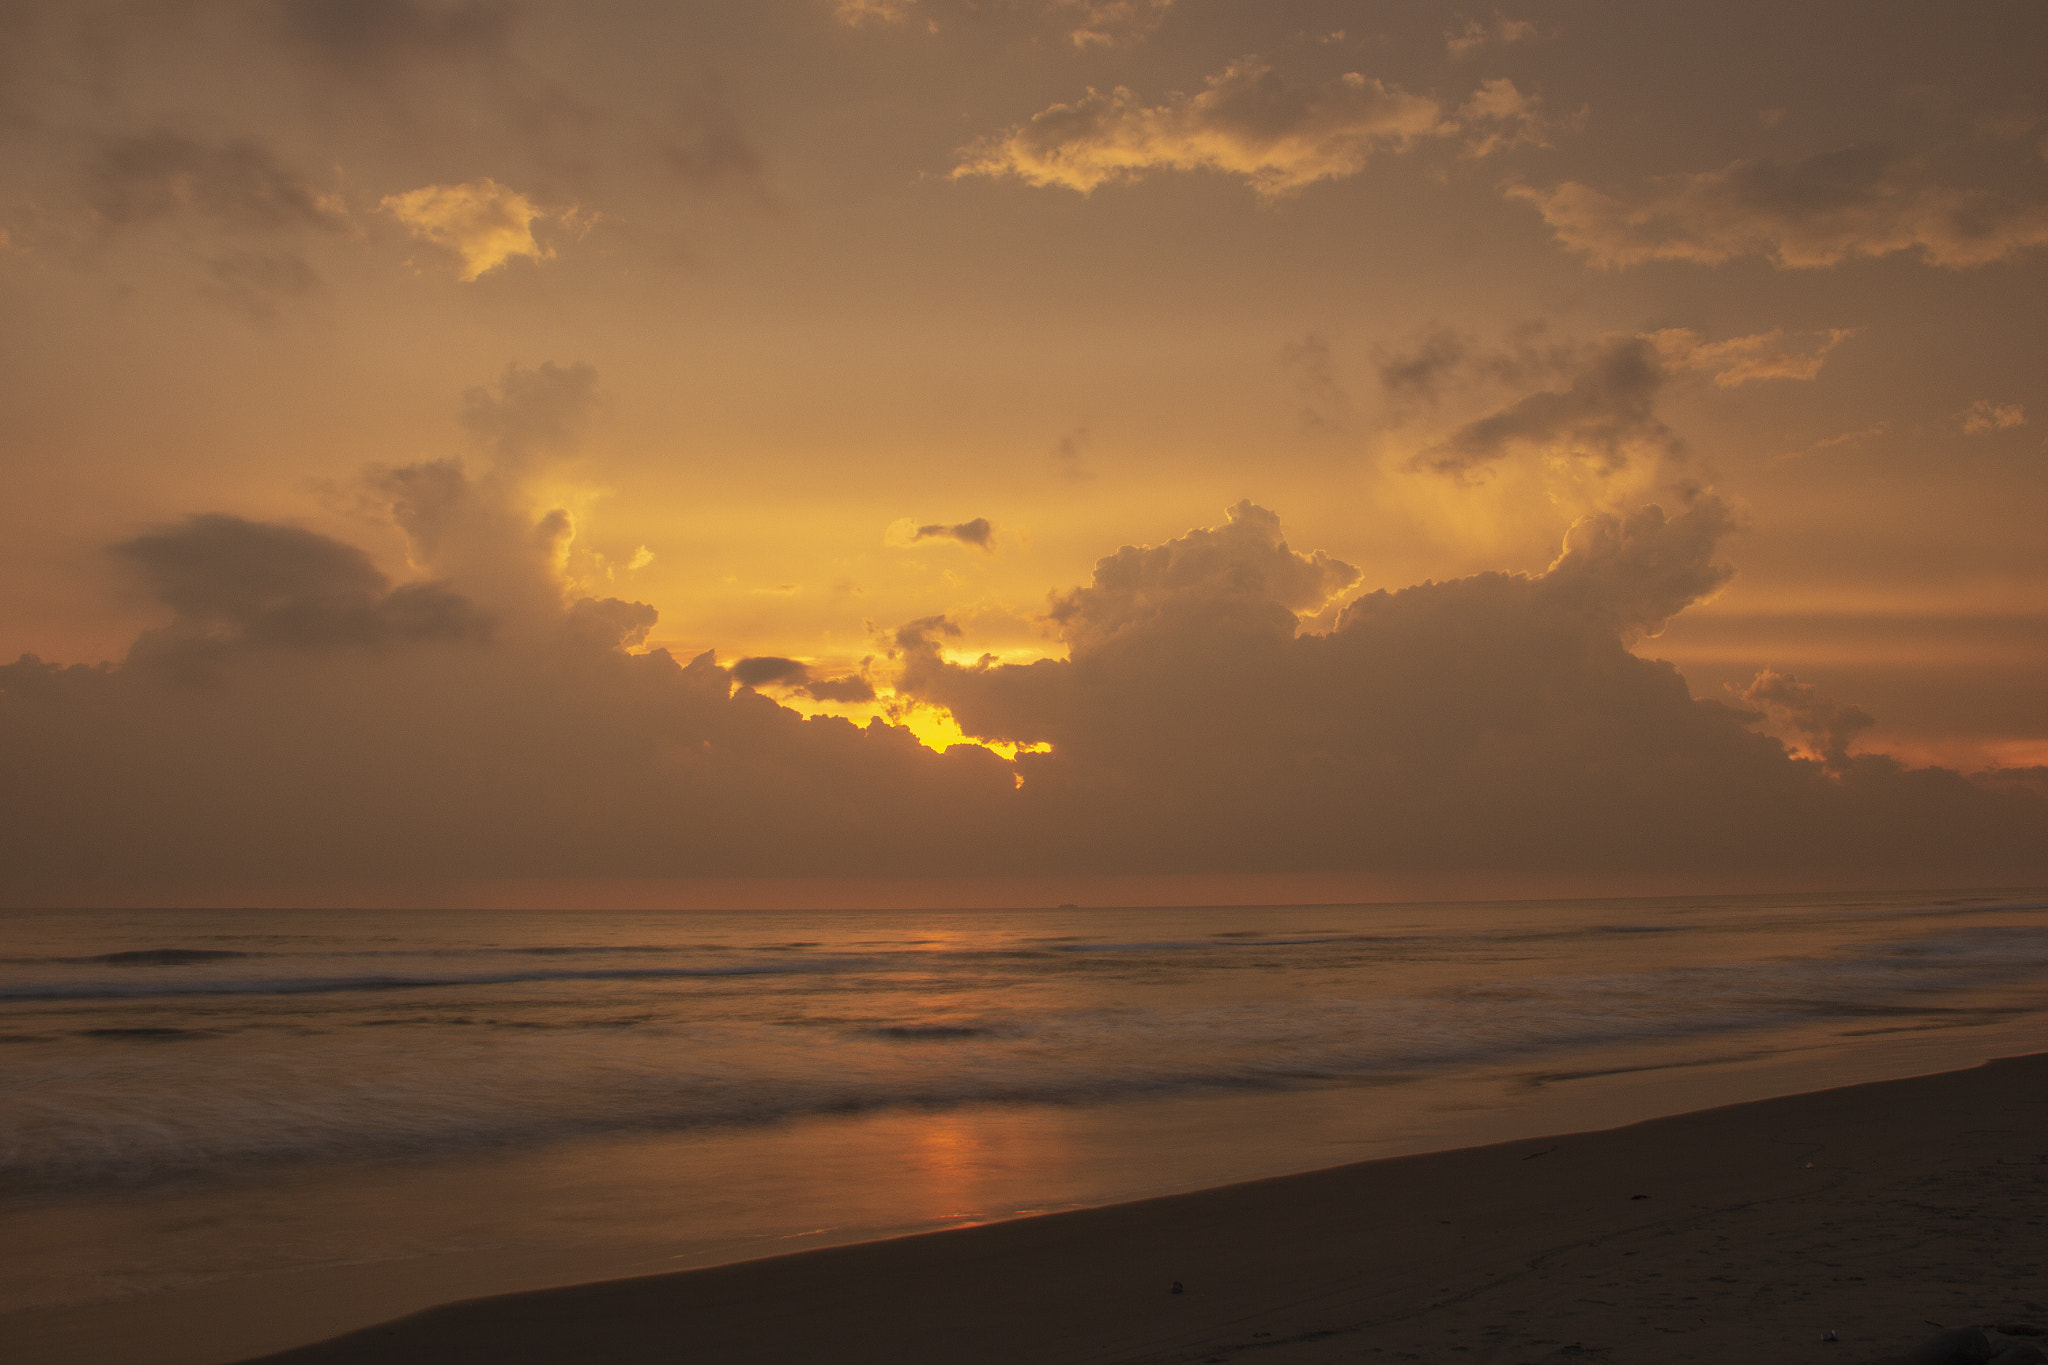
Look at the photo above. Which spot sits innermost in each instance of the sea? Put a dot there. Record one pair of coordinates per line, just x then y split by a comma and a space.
376, 1110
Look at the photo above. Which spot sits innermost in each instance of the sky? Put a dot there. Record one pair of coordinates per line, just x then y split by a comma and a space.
911, 449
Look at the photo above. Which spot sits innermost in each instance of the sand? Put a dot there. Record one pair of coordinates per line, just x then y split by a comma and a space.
1876, 1212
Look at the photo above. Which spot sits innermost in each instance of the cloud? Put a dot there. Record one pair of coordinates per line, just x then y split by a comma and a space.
1241, 566
236, 585
765, 670
1745, 359
1860, 203
1324, 400
1605, 416
541, 411
1828, 726
851, 690
1069, 454
708, 149
482, 222
857, 12
1472, 35
1418, 373
979, 533
303, 715
1985, 415
1083, 23
1499, 118
1107, 23
144, 177
1246, 121
364, 36
258, 281
1499, 719
795, 675
349, 726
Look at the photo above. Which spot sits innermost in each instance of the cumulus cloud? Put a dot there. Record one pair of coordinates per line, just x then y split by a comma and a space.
1858, 203
1500, 719
1985, 415
241, 184
482, 222
1247, 121
1243, 566
1745, 359
1827, 726
303, 715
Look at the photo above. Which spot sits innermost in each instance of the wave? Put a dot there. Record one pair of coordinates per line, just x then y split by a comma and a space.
331, 985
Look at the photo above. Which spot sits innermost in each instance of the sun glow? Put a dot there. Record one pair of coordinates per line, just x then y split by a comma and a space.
936, 728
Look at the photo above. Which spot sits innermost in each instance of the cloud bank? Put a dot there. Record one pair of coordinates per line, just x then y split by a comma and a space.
302, 712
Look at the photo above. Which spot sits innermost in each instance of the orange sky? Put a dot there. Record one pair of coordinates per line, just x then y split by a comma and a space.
802, 321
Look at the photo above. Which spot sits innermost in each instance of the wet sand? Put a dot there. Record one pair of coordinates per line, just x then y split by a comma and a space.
1741, 1233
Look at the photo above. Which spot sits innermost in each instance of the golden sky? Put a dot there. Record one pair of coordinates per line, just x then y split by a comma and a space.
399, 394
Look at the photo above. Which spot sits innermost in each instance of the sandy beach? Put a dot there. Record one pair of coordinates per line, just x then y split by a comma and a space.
1879, 1213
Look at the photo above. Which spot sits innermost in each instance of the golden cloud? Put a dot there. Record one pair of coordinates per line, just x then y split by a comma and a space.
1741, 360
1246, 121
483, 222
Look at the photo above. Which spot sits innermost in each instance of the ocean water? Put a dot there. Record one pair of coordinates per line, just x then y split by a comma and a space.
192, 1097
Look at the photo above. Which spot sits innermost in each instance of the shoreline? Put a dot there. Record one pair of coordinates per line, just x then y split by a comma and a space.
1740, 1232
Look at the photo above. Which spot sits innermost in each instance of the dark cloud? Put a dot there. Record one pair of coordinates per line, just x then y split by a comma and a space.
241, 184
1418, 373
1606, 415
980, 533
349, 727
852, 690
1829, 208
532, 412
1828, 726
1497, 722
365, 36
767, 669
233, 584
1493, 721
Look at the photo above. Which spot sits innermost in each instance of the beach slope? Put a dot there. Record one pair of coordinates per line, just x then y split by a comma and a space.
1743, 1233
